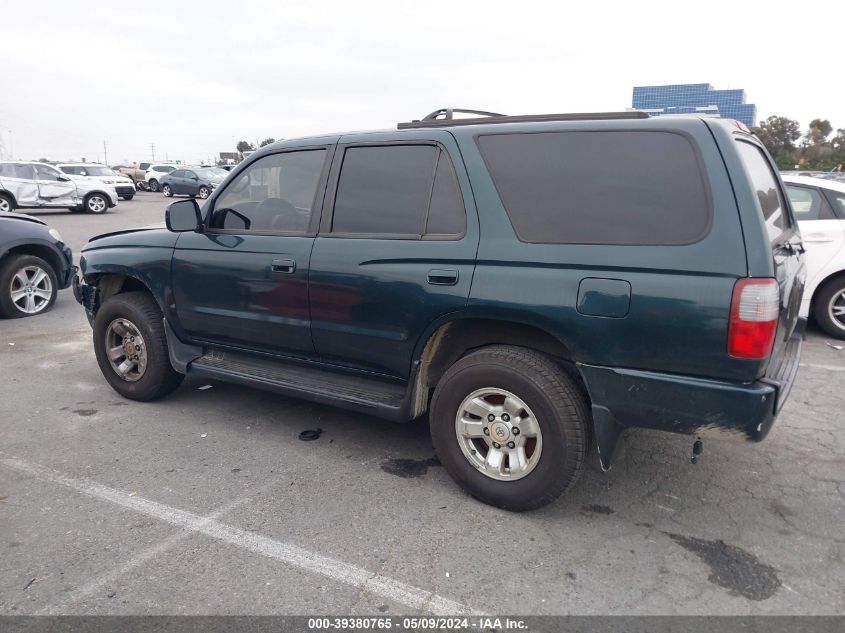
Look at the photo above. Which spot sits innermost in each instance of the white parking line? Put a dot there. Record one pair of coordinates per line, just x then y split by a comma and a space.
825, 367
340, 571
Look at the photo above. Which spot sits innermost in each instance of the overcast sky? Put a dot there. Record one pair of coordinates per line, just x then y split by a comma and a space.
192, 76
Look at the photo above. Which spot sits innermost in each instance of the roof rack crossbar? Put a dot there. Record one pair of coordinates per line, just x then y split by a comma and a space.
448, 114
431, 120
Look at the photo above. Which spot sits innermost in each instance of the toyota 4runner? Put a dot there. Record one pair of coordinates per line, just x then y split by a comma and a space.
535, 284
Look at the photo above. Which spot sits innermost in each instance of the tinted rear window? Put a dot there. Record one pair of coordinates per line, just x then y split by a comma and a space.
600, 187
384, 190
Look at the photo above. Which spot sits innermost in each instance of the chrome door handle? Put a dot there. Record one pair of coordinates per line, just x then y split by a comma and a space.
283, 266
443, 277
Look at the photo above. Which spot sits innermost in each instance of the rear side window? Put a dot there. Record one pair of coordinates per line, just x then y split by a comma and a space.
600, 187
407, 190
766, 187
808, 203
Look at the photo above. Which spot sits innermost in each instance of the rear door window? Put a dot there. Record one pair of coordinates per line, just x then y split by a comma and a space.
398, 190
626, 187
808, 203
766, 187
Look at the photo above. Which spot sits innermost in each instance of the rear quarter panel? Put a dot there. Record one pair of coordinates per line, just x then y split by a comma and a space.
680, 295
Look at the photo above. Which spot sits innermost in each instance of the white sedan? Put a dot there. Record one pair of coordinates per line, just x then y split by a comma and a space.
819, 207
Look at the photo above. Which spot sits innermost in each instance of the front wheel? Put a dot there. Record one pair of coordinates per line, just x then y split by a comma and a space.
96, 203
167, 191
131, 347
204, 192
154, 186
128, 198
510, 427
28, 286
829, 308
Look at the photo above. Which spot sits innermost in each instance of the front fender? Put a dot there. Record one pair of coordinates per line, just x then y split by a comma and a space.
147, 266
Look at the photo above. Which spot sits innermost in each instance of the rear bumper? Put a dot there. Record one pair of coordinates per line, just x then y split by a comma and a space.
630, 398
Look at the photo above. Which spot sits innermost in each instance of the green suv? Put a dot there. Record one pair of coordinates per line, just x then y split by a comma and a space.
534, 284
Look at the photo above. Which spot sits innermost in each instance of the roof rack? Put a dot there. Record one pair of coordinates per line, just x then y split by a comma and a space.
433, 120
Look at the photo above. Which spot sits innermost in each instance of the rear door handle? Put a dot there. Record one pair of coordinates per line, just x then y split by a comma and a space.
283, 266
442, 277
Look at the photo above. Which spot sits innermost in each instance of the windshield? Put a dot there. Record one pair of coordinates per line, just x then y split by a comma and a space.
97, 170
207, 173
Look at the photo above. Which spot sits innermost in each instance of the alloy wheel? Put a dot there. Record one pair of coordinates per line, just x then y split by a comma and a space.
31, 289
836, 308
126, 350
97, 204
498, 434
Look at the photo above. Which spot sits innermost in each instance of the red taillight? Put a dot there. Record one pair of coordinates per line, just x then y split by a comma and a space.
755, 308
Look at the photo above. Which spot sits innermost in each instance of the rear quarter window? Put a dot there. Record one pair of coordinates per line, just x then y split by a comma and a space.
626, 188
765, 185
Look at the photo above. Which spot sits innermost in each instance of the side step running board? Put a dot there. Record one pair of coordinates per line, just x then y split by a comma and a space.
375, 396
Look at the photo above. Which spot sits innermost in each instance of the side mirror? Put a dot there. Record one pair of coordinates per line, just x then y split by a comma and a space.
62, 178
183, 216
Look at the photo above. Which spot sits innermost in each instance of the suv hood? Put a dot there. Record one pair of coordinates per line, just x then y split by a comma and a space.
22, 217
150, 236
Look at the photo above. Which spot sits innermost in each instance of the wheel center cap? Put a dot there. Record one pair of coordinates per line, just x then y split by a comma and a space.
500, 432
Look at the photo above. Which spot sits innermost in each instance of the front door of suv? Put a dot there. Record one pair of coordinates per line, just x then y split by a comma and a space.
55, 189
396, 249
243, 281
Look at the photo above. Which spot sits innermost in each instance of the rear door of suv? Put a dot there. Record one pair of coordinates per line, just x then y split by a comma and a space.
396, 249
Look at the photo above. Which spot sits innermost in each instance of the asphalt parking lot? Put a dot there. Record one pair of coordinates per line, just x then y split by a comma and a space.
208, 503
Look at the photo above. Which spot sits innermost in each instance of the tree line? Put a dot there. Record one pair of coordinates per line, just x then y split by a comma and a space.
814, 150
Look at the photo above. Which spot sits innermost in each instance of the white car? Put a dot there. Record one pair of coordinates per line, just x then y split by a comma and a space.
123, 184
819, 207
32, 185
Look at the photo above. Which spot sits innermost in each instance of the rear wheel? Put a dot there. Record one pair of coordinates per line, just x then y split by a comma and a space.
167, 191
154, 186
829, 308
510, 427
7, 205
131, 347
95, 203
28, 286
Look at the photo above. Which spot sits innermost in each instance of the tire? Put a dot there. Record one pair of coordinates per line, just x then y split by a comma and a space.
550, 397
128, 198
204, 192
7, 204
167, 191
96, 203
831, 298
17, 299
154, 186
140, 311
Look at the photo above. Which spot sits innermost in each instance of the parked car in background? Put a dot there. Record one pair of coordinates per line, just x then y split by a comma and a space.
148, 175
192, 181
30, 185
535, 284
124, 185
819, 207
35, 264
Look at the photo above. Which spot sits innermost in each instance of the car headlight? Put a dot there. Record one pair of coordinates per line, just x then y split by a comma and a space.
108, 182
55, 234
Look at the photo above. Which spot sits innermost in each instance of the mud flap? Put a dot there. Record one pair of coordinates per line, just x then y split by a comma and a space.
606, 431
